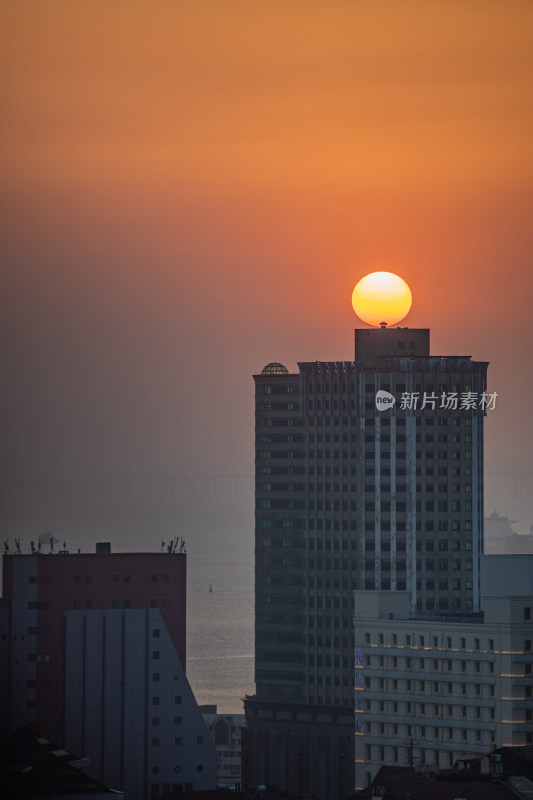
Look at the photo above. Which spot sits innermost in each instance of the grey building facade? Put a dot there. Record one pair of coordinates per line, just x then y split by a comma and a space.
354, 490
430, 691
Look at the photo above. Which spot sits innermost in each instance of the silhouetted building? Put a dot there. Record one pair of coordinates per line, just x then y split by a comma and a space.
94, 659
33, 768
369, 475
500, 537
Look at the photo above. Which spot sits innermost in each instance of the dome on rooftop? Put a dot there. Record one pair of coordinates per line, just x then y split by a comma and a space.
274, 368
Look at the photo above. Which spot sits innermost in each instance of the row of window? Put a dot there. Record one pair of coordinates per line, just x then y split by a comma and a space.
427, 732
385, 455
384, 488
275, 617
156, 700
420, 755
154, 603
437, 710
343, 386
427, 642
370, 525
116, 578
417, 686
384, 432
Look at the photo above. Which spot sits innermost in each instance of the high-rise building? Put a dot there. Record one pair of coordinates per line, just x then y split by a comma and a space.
93, 658
369, 475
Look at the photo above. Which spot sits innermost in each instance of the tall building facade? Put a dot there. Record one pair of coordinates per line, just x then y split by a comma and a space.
369, 475
93, 658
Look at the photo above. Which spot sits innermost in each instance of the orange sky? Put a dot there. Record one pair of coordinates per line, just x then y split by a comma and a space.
192, 189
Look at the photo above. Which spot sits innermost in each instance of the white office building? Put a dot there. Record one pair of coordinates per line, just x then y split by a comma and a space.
429, 690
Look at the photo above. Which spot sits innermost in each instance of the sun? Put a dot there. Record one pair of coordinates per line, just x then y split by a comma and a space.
381, 297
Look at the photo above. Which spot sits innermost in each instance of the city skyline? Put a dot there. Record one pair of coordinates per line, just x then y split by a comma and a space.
190, 194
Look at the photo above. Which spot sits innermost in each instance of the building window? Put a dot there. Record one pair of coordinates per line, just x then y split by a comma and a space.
527, 612
156, 655
88, 578
156, 633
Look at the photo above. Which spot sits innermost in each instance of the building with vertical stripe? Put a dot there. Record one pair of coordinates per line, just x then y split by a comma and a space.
93, 657
369, 476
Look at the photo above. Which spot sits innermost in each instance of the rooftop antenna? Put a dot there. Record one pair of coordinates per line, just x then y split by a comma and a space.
32, 545
51, 544
162, 546
17, 545
6, 546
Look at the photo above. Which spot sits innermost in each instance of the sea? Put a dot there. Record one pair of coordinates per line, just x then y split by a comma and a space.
211, 514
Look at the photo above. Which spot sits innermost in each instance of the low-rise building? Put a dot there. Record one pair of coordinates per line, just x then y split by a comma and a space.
429, 690
93, 657
225, 731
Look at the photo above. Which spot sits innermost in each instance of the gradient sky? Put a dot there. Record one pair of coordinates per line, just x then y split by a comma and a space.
192, 188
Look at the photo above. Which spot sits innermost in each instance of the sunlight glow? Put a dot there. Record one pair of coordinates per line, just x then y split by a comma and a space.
381, 297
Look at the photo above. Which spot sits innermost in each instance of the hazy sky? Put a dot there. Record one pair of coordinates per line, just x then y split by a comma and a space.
191, 189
